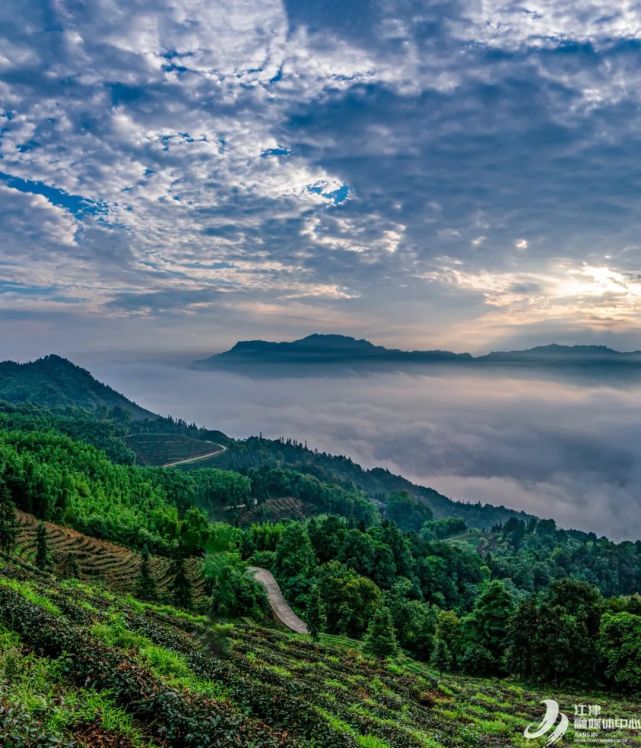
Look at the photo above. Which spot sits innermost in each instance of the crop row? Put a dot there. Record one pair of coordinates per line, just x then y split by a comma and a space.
99, 560
160, 449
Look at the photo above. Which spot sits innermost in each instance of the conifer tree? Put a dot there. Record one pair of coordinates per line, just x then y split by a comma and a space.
145, 585
441, 659
181, 583
380, 639
8, 525
68, 568
522, 637
316, 619
43, 558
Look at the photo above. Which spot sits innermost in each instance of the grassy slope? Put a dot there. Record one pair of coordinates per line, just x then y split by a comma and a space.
138, 675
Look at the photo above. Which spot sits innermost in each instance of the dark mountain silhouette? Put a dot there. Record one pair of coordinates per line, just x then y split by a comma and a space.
320, 349
342, 349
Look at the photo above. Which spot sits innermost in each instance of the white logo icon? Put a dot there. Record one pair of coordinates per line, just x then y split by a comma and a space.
551, 714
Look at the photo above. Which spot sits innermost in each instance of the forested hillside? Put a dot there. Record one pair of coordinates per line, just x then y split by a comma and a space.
393, 588
78, 405
55, 382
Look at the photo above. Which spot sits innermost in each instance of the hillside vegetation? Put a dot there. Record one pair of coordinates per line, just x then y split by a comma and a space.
113, 566
54, 382
393, 591
80, 667
165, 449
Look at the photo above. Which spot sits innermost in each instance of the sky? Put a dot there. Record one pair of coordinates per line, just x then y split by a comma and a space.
179, 174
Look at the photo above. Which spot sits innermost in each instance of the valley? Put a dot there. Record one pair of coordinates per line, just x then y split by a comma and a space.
163, 584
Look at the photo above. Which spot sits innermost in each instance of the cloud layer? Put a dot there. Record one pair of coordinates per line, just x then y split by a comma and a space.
567, 450
428, 173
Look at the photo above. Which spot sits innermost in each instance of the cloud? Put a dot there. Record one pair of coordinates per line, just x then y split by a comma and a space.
327, 151
563, 449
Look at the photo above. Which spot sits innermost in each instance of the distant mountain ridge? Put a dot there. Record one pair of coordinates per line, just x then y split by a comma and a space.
343, 349
55, 382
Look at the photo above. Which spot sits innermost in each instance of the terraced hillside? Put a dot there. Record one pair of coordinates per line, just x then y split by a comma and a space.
79, 667
102, 562
165, 449
274, 510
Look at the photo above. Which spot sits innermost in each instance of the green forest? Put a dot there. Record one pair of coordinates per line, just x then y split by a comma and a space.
486, 602
365, 559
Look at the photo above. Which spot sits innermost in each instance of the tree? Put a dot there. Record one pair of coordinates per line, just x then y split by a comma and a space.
145, 585
295, 563
567, 632
181, 583
68, 567
350, 600
408, 512
43, 558
487, 627
521, 637
8, 525
316, 619
414, 620
380, 639
441, 659
234, 592
194, 531
620, 647
294, 552
448, 630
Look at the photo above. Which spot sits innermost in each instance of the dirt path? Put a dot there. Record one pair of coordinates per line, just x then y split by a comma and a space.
279, 605
219, 451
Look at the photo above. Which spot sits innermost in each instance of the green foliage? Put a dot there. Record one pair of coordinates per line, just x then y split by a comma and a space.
55, 478
350, 600
273, 481
235, 594
443, 528
414, 621
43, 557
54, 382
448, 632
407, 511
380, 639
181, 585
441, 658
522, 635
620, 647
486, 629
8, 525
295, 563
145, 584
316, 617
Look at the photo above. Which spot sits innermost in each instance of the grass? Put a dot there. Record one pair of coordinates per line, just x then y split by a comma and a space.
312, 695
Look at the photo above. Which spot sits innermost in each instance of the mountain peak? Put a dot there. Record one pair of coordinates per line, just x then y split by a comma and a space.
55, 382
319, 348
334, 340
337, 349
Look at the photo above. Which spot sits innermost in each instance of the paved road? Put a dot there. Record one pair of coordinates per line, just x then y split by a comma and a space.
279, 605
219, 451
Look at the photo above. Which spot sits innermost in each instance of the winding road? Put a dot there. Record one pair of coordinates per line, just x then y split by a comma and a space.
219, 451
278, 604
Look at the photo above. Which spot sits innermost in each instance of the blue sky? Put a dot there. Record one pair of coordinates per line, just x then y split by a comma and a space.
178, 174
